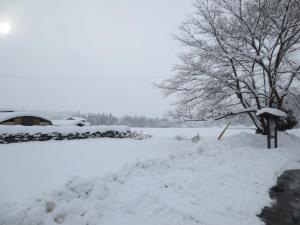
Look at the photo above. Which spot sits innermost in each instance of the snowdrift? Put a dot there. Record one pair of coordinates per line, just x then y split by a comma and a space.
248, 140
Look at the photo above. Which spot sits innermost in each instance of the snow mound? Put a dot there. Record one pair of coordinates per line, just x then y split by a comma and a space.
245, 139
210, 184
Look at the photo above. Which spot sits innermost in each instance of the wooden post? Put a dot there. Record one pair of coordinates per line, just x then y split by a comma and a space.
268, 133
223, 132
276, 142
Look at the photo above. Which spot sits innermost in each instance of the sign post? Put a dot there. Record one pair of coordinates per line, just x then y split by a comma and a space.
271, 116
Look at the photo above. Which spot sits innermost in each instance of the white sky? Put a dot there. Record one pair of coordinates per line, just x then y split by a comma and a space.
89, 38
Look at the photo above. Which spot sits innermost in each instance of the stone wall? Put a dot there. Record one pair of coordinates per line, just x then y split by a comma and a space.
25, 137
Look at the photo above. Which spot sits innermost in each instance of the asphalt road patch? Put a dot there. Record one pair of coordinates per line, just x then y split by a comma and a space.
286, 196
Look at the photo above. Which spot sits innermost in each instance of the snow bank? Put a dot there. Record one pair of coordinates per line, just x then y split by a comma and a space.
214, 183
16, 129
248, 140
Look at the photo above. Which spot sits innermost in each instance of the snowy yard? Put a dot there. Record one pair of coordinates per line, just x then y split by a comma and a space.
77, 75
153, 181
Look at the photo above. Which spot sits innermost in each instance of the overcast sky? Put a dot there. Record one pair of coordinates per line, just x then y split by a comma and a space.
114, 39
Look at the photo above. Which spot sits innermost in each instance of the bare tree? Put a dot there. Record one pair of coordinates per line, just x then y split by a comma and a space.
239, 58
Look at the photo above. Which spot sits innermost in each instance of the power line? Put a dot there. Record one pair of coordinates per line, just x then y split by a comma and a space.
82, 77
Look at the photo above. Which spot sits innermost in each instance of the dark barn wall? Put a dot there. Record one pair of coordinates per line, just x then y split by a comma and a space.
27, 121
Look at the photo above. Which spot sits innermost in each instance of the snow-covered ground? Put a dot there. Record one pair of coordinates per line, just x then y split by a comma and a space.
154, 181
29, 169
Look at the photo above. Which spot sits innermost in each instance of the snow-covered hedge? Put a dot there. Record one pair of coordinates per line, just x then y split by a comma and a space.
15, 134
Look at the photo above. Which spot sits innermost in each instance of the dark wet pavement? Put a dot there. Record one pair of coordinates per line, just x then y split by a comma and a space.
286, 196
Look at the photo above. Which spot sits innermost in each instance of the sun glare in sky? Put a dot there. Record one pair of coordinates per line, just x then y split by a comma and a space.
5, 27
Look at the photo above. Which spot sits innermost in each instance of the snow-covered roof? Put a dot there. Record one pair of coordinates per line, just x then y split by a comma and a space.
12, 109
10, 115
69, 122
65, 122
76, 118
271, 111
6, 110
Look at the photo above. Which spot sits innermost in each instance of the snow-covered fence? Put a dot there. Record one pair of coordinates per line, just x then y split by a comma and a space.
15, 134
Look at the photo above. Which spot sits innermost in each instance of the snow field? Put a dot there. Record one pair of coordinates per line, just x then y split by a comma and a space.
211, 183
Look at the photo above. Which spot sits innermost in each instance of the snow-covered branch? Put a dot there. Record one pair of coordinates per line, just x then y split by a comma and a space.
240, 56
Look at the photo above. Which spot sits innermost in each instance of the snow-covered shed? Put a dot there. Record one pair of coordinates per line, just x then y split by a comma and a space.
23, 118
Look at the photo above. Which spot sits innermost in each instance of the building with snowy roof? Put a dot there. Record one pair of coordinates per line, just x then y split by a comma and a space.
9, 117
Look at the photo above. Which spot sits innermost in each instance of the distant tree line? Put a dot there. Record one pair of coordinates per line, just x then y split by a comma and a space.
132, 121
143, 121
